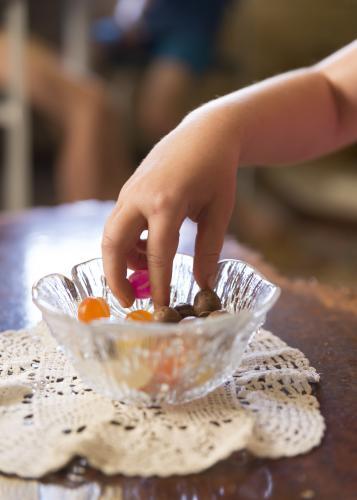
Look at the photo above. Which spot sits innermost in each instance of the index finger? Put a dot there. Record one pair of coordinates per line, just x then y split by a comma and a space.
121, 233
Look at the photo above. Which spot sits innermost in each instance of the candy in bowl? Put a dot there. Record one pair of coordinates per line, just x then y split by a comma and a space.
154, 363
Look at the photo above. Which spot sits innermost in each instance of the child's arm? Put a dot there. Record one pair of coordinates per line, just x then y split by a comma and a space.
295, 116
191, 172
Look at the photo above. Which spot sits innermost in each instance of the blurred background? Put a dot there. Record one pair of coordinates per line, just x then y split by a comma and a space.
88, 86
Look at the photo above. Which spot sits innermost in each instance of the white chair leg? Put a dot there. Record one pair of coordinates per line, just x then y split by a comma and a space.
17, 175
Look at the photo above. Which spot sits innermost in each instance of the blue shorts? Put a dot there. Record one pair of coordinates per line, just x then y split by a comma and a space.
181, 30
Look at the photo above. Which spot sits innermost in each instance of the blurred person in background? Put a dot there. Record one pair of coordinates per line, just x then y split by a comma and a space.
173, 40
80, 107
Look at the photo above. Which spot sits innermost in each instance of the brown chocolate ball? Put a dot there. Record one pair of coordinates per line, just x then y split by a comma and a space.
185, 310
206, 300
219, 312
166, 314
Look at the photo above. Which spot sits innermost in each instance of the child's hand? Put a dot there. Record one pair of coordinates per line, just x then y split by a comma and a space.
190, 173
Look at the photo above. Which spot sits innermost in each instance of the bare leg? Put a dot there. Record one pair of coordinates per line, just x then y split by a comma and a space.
164, 98
93, 162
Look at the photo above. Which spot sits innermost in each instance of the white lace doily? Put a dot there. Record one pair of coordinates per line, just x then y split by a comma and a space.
47, 416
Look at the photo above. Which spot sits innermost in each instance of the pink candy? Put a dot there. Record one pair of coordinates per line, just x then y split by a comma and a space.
139, 280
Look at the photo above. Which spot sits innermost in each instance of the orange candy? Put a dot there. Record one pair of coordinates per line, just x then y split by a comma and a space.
169, 366
93, 308
168, 369
139, 315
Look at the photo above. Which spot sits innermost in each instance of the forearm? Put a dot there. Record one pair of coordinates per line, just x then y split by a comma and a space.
288, 119
291, 117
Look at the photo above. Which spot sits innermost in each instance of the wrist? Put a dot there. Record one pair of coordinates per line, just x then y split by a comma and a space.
214, 123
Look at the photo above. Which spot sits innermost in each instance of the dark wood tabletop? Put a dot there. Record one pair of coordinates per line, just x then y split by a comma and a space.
322, 322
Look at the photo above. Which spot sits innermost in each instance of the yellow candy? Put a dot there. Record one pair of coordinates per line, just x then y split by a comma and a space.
135, 377
205, 375
130, 367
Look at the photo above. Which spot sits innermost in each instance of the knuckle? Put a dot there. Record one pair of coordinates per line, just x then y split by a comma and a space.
162, 202
123, 193
208, 257
108, 242
155, 260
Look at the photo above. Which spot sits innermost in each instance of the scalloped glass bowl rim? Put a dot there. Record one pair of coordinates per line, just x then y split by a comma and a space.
152, 327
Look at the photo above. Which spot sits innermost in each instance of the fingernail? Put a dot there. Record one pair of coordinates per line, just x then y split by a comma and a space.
124, 303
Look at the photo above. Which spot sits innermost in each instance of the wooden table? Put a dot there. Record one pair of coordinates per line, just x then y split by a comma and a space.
319, 321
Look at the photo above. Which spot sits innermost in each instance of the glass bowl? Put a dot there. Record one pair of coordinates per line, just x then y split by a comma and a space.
154, 363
